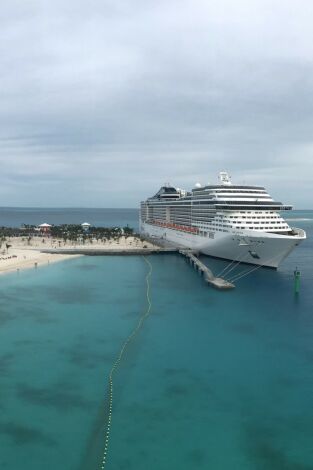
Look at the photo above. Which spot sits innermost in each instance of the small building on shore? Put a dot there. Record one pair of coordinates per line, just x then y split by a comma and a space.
45, 228
86, 226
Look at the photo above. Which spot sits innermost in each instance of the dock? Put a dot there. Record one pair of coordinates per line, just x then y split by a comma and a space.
207, 274
164, 248
108, 251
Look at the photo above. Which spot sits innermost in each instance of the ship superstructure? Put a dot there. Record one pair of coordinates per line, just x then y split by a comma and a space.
235, 222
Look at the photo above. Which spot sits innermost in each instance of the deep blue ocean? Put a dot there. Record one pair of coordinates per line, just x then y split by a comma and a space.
16, 216
215, 380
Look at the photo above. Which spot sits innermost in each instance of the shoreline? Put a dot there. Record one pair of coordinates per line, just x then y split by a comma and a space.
35, 261
40, 252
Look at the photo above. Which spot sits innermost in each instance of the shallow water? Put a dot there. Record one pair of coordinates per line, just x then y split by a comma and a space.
219, 380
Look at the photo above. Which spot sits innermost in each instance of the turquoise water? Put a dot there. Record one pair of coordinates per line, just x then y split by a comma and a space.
215, 380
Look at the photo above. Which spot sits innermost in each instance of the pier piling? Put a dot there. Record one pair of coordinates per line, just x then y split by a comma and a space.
204, 271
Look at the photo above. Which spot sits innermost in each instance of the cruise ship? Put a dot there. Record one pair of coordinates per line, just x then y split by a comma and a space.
234, 222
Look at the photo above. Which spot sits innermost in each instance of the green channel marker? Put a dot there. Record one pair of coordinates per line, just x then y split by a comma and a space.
297, 275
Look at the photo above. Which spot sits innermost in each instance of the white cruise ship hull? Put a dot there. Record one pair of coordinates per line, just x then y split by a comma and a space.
248, 246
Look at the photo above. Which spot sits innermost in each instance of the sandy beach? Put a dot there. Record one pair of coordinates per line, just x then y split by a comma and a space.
24, 255
18, 258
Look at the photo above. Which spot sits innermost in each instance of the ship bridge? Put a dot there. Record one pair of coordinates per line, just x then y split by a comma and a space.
166, 192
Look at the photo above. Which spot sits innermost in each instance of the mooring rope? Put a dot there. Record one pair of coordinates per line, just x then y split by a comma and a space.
228, 265
118, 361
250, 270
245, 273
228, 268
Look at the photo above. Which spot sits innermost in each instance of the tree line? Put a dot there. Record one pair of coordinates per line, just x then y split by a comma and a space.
68, 232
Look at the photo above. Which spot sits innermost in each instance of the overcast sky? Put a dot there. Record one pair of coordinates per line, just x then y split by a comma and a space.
102, 101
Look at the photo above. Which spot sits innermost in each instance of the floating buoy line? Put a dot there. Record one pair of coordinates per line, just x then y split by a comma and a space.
118, 361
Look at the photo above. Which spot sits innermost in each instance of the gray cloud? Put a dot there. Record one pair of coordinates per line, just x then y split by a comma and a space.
101, 102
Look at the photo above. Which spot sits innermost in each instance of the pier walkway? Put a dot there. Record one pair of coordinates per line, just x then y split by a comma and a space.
209, 277
109, 251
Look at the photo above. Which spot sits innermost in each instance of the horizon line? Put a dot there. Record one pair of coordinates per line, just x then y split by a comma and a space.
67, 207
